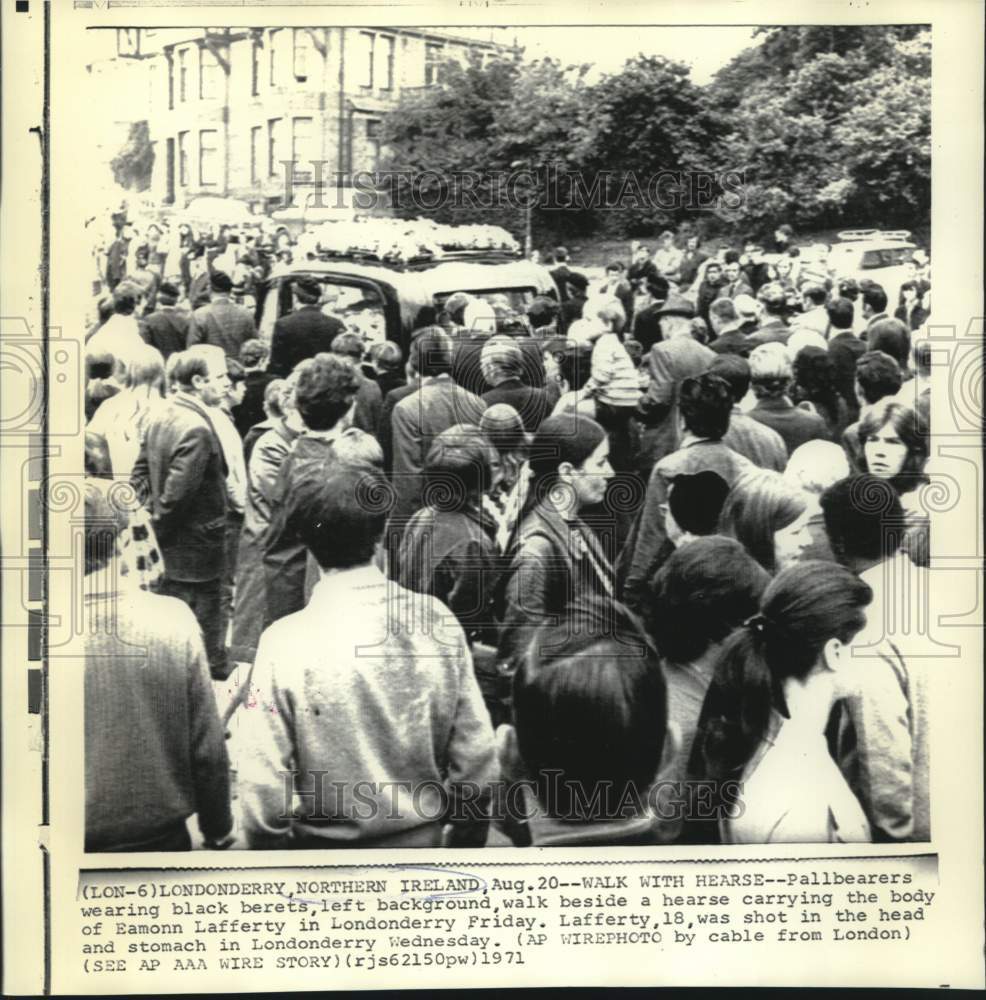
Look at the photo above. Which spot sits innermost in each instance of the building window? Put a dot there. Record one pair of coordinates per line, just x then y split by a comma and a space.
183, 75
385, 63
208, 157
364, 59
183, 159
256, 152
274, 141
373, 143
302, 148
255, 68
274, 67
433, 62
302, 54
209, 75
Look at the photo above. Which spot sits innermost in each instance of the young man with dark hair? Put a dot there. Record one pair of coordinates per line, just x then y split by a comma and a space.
845, 349
883, 743
577, 285
393, 715
706, 404
877, 376
694, 505
596, 664
369, 398
561, 272
892, 337
325, 396
761, 444
874, 302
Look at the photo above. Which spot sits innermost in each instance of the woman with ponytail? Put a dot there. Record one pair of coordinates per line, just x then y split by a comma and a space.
762, 727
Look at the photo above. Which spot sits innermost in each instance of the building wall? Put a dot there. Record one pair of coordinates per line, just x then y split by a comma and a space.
321, 100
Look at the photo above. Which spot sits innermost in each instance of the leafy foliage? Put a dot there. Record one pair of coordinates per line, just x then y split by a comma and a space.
132, 166
827, 124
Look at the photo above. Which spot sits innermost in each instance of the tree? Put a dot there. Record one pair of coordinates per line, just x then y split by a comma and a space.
132, 166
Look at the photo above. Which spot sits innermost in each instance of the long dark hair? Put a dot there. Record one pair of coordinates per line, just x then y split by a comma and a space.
803, 608
911, 428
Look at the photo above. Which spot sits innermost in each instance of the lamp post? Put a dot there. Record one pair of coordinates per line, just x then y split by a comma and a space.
528, 208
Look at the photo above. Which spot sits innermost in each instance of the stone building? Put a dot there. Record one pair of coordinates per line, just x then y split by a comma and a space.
229, 106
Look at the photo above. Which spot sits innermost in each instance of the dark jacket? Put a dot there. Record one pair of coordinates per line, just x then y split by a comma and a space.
641, 553
251, 410
452, 555
369, 406
707, 293
732, 342
416, 421
385, 430
223, 324
301, 474
919, 316
560, 275
647, 326
793, 424
182, 473
691, 261
531, 404
167, 330
300, 335
776, 331
552, 562
467, 355
845, 349
570, 311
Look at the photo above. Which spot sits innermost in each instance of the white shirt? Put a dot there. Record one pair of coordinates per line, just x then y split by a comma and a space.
794, 793
118, 336
232, 446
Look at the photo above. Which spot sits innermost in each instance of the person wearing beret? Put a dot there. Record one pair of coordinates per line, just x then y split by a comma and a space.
303, 333
221, 323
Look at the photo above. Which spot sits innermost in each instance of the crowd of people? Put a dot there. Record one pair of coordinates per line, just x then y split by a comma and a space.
630, 566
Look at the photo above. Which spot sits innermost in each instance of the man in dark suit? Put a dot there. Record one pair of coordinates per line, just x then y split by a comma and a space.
182, 473
221, 323
305, 332
324, 395
571, 307
845, 349
502, 363
420, 417
167, 327
560, 273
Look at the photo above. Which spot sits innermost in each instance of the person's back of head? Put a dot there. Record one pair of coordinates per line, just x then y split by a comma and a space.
274, 398
575, 365
542, 311
561, 255
814, 293
874, 298
773, 299
105, 308
220, 283
705, 402
921, 358
501, 360
841, 313
877, 375
125, 298
722, 313
735, 372
254, 354
760, 504
186, 365
458, 468
325, 391
342, 520
695, 504
705, 590
815, 465
863, 520
892, 337
604, 678
146, 368
504, 429
807, 613
308, 291
771, 371
105, 519
432, 350
387, 356
348, 345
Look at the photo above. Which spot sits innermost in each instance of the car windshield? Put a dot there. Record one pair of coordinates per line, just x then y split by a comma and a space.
516, 299
885, 257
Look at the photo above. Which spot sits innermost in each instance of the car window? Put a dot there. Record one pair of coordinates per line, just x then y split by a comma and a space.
512, 298
360, 307
885, 257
